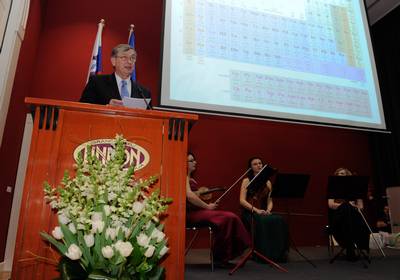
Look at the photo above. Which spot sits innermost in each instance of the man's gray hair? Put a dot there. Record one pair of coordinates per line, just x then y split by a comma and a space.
121, 48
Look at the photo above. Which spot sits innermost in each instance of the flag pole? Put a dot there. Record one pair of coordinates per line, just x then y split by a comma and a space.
95, 64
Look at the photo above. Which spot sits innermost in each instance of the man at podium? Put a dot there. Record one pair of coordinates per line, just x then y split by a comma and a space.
110, 89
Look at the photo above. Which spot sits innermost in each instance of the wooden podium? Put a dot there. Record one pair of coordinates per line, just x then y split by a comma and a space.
59, 128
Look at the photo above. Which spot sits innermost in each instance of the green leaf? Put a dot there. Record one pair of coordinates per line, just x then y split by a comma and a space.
60, 246
85, 250
100, 275
68, 235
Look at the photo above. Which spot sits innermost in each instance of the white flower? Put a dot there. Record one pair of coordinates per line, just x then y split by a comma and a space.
57, 233
53, 204
97, 216
143, 240
111, 196
124, 248
97, 226
107, 210
150, 251
163, 251
74, 252
80, 227
89, 240
137, 207
111, 233
158, 235
72, 228
127, 231
107, 252
63, 219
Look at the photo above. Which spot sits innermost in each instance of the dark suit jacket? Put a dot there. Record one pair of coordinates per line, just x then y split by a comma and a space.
100, 89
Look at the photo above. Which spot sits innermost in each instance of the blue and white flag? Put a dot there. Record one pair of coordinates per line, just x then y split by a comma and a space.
95, 66
131, 42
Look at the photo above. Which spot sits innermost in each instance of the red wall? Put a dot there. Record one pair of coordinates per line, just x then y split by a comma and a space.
67, 41
222, 145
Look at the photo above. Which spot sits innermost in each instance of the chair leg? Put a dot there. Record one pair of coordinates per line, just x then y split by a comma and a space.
196, 232
331, 247
211, 249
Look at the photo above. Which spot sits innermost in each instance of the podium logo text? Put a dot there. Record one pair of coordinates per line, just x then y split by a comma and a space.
103, 149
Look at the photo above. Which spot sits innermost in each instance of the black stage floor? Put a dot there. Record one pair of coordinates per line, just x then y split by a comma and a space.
388, 268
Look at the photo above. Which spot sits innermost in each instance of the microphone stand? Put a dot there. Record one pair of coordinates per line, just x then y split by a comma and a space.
148, 106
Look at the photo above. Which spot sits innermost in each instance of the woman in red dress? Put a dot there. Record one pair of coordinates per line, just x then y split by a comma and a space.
229, 231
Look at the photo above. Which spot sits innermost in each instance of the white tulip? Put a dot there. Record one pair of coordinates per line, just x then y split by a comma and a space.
154, 233
143, 240
74, 252
124, 248
63, 219
97, 216
150, 251
72, 228
97, 226
107, 210
158, 235
111, 233
163, 251
137, 207
89, 240
57, 233
107, 252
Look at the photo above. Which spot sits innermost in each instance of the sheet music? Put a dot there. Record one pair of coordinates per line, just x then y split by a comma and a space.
135, 102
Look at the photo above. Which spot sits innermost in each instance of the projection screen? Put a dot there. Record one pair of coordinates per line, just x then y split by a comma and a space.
301, 60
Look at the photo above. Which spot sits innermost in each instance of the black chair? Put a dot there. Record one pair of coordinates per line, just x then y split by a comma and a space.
196, 229
331, 242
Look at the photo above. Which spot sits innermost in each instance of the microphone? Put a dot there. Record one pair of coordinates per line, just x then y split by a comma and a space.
140, 89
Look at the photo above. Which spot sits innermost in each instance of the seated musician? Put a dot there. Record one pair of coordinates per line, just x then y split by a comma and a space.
270, 230
230, 235
348, 226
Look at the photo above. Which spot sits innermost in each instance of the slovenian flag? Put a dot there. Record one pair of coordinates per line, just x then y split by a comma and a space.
95, 66
131, 42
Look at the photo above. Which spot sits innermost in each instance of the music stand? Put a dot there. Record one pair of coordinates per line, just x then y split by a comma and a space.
351, 188
291, 185
260, 180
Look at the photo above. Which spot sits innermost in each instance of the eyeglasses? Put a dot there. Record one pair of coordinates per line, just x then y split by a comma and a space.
127, 58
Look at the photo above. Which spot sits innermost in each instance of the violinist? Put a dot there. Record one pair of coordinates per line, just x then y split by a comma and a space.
271, 233
347, 224
227, 226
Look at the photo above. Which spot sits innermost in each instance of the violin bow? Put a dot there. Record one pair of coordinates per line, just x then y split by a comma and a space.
240, 178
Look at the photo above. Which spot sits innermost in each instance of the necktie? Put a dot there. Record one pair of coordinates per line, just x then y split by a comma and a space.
124, 89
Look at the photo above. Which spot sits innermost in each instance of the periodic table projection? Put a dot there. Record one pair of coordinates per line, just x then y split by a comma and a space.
292, 59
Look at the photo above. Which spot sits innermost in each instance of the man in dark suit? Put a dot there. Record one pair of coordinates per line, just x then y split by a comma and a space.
109, 89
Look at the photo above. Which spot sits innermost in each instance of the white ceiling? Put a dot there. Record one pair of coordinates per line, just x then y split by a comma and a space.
377, 9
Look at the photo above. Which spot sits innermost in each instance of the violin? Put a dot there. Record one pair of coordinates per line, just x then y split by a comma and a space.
206, 194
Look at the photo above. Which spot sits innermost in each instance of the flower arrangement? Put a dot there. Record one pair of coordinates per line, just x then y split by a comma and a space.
109, 224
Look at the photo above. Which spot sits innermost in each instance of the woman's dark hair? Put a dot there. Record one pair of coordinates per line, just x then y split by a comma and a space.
250, 174
194, 157
191, 154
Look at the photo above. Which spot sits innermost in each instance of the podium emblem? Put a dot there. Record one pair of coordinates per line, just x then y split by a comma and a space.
103, 149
